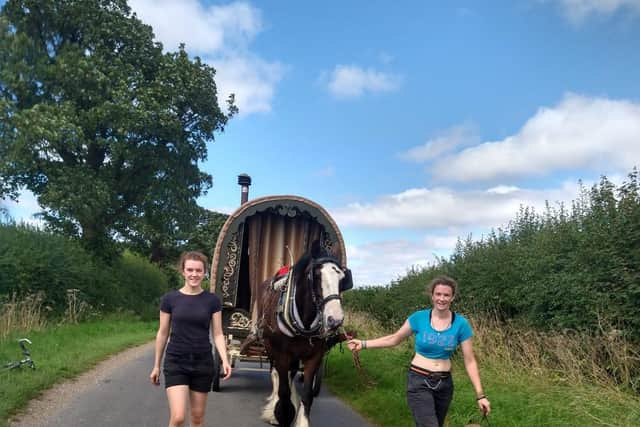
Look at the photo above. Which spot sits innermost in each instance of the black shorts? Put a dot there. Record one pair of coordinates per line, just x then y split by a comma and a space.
193, 369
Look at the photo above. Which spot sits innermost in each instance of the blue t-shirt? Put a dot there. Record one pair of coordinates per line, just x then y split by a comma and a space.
190, 320
438, 344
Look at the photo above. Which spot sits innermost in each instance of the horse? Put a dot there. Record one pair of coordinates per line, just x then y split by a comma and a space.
298, 323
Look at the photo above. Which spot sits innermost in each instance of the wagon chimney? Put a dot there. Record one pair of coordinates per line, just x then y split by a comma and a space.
244, 181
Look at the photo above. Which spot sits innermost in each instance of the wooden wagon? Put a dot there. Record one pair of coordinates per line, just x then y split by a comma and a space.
258, 239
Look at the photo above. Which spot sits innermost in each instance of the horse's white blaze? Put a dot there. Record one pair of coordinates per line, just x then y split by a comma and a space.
331, 276
268, 412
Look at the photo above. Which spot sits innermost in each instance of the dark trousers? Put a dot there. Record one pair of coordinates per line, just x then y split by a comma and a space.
429, 398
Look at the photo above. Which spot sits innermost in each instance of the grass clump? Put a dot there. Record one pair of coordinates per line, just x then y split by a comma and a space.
21, 314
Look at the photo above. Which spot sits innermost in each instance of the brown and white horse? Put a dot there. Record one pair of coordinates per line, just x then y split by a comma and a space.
296, 321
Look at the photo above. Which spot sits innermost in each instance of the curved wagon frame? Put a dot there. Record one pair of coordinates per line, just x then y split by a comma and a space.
259, 238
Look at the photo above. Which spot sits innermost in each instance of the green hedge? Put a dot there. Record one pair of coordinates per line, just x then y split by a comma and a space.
33, 261
576, 268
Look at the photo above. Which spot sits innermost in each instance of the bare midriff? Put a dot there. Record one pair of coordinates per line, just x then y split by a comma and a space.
434, 365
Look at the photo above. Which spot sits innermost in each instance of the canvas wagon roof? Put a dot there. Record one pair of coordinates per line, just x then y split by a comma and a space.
264, 234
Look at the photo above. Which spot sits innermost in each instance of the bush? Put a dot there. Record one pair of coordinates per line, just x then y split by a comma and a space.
141, 284
34, 261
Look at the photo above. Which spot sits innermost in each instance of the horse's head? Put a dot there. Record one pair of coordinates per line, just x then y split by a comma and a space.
328, 280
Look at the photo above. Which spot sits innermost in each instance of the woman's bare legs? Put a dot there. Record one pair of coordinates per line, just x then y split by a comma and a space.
198, 406
178, 397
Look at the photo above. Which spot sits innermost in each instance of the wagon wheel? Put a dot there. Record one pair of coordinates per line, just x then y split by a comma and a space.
217, 363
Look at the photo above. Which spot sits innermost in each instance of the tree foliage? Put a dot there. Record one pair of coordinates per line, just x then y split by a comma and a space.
205, 235
200, 235
105, 129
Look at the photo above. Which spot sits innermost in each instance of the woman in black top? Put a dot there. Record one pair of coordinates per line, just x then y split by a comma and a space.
185, 319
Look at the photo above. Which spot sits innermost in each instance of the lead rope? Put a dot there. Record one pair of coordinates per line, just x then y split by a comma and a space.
344, 336
483, 419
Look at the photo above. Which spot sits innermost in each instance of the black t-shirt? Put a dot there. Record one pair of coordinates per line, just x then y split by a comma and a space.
190, 320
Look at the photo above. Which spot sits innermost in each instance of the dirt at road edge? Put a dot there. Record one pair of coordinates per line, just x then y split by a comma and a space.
59, 396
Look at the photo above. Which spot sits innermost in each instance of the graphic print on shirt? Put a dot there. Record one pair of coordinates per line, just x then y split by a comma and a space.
446, 342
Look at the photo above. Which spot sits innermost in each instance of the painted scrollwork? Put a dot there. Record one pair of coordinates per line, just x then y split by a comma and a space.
231, 265
239, 321
325, 241
287, 210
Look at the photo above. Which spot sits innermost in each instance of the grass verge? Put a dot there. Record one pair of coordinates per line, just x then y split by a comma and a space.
519, 396
62, 352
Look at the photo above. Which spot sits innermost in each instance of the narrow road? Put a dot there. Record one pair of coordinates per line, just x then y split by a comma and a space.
118, 393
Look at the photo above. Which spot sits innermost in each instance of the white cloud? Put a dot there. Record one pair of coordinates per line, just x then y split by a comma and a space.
445, 143
204, 30
227, 210
251, 79
422, 208
503, 189
221, 35
579, 10
444, 214
378, 263
596, 134
350, 81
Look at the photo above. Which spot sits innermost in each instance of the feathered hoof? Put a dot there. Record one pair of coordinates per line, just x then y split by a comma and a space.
269, 419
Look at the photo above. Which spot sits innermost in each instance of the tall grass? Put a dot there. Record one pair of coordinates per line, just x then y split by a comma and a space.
22, 314
603, 357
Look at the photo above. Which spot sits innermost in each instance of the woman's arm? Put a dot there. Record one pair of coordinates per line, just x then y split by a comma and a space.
161, 341
220, 342
471, 365
387, 341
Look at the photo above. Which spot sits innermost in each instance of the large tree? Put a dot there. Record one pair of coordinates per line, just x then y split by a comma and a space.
105, 129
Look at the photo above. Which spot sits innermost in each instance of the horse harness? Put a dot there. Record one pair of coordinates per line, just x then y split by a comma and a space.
287, 314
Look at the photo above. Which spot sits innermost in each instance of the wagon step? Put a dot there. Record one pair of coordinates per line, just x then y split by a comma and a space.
252, 346
254, 350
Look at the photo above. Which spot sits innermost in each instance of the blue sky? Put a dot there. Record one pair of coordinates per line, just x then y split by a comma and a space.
413, 123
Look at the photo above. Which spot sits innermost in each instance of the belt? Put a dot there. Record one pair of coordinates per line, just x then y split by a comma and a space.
428, 373
192, 356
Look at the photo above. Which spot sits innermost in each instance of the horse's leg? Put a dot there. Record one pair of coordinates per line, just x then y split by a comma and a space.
294, 367
311, 367
284, 410
268, 412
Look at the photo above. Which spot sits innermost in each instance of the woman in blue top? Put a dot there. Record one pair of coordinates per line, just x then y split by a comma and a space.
438, 332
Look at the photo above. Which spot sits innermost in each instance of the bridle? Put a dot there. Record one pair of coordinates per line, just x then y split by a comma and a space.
289, 315
312, 267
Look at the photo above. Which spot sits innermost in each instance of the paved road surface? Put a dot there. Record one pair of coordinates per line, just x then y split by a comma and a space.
124, 396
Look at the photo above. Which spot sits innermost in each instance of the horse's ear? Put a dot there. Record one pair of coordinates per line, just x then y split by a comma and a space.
316, 249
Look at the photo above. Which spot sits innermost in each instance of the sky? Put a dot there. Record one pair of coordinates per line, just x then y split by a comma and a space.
413, 123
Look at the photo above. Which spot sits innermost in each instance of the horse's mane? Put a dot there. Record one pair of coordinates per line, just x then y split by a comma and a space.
300, 266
